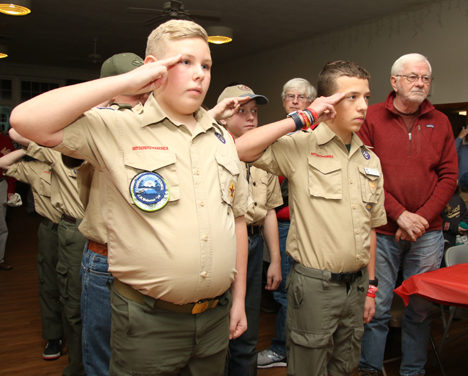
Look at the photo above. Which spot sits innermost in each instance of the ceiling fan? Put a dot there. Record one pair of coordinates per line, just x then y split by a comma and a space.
174, 9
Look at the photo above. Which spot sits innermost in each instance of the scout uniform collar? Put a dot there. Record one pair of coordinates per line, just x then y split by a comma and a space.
325, 135
153, 113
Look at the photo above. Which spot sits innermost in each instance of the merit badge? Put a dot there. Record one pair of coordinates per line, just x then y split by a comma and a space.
373, 186
220, 137
232, 189
149, 191
365, 154
369, 207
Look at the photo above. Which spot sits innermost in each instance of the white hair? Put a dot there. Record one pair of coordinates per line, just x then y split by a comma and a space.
302, 86
397, 67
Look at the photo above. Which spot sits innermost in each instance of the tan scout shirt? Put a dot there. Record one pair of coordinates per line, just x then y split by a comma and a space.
265, 194
91, 185
38, 175
186, 250
64, 189
336, 197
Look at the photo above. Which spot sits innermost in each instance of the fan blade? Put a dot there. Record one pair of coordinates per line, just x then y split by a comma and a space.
144, 10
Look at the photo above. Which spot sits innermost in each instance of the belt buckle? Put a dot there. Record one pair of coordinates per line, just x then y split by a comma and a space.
200, 307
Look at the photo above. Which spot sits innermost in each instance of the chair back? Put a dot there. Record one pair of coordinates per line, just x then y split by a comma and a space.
456, 255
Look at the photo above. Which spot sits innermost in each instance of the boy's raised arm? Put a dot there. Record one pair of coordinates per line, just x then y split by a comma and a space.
43, 118
251, 145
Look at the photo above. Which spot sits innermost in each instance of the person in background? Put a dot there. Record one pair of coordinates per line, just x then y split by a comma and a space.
461, 143
38, 175
265, 196
7, 188
95, 276
415, 145
297, 94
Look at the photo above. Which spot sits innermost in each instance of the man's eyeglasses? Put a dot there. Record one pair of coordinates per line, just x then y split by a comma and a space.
300, 97
411, 78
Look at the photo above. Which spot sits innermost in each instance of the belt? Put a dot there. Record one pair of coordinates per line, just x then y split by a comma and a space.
345, 277
68, 219
97, 247
253, 229
192, 308
328, 276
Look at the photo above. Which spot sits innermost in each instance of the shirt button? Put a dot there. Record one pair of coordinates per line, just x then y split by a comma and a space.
204, 274
350, 181
205, 238
356, 231
353, 207
202, 203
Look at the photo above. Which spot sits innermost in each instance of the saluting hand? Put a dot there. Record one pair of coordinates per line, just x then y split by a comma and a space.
150, 75
324, 106
227, 107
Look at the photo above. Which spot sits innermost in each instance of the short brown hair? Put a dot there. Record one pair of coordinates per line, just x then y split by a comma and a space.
326, 83
172, 30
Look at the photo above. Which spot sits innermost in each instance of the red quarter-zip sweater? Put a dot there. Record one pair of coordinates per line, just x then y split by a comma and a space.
419, 166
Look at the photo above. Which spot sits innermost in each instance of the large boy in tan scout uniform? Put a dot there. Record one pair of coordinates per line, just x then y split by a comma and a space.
336, 199
265, 196
38, 175
174, 210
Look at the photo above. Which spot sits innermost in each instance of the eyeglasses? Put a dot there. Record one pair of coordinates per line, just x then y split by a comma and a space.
300, 97
411, 78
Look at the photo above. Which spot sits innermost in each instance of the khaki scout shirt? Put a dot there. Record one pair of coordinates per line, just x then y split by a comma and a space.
64, 189
336, 197
186, 250
265, 194
38, 175
91, 185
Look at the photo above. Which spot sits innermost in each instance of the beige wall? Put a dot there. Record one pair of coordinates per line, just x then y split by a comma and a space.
439, 31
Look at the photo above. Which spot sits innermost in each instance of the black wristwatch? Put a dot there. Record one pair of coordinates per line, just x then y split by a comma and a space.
374, 282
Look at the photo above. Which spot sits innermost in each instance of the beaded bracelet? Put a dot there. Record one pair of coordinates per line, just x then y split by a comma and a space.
371, 291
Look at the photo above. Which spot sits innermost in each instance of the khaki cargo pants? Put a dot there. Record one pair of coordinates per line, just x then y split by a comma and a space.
324, 323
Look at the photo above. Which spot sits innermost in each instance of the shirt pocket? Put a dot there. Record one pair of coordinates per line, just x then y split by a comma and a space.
369, 185
161, 162
325, 178
43, 188
228, 175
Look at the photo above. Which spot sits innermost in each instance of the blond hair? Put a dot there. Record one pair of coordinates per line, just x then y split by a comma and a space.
172, 30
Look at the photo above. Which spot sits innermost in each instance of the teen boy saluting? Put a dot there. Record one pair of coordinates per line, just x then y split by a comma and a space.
175, 204
336, 200
265, 196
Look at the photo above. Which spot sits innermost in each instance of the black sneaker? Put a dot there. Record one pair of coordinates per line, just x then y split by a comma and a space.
52, 350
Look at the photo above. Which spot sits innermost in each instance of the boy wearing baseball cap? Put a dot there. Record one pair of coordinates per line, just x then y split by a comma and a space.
265, 196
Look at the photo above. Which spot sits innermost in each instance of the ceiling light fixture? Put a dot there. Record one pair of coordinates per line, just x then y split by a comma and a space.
3, 51
219, 34
16, 7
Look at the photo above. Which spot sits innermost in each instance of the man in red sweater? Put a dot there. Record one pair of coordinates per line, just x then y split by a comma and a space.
416, 148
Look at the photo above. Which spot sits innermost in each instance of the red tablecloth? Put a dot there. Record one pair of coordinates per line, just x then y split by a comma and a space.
445, 285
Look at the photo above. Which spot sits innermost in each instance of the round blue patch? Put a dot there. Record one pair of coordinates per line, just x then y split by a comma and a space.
365, 154
149, 191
